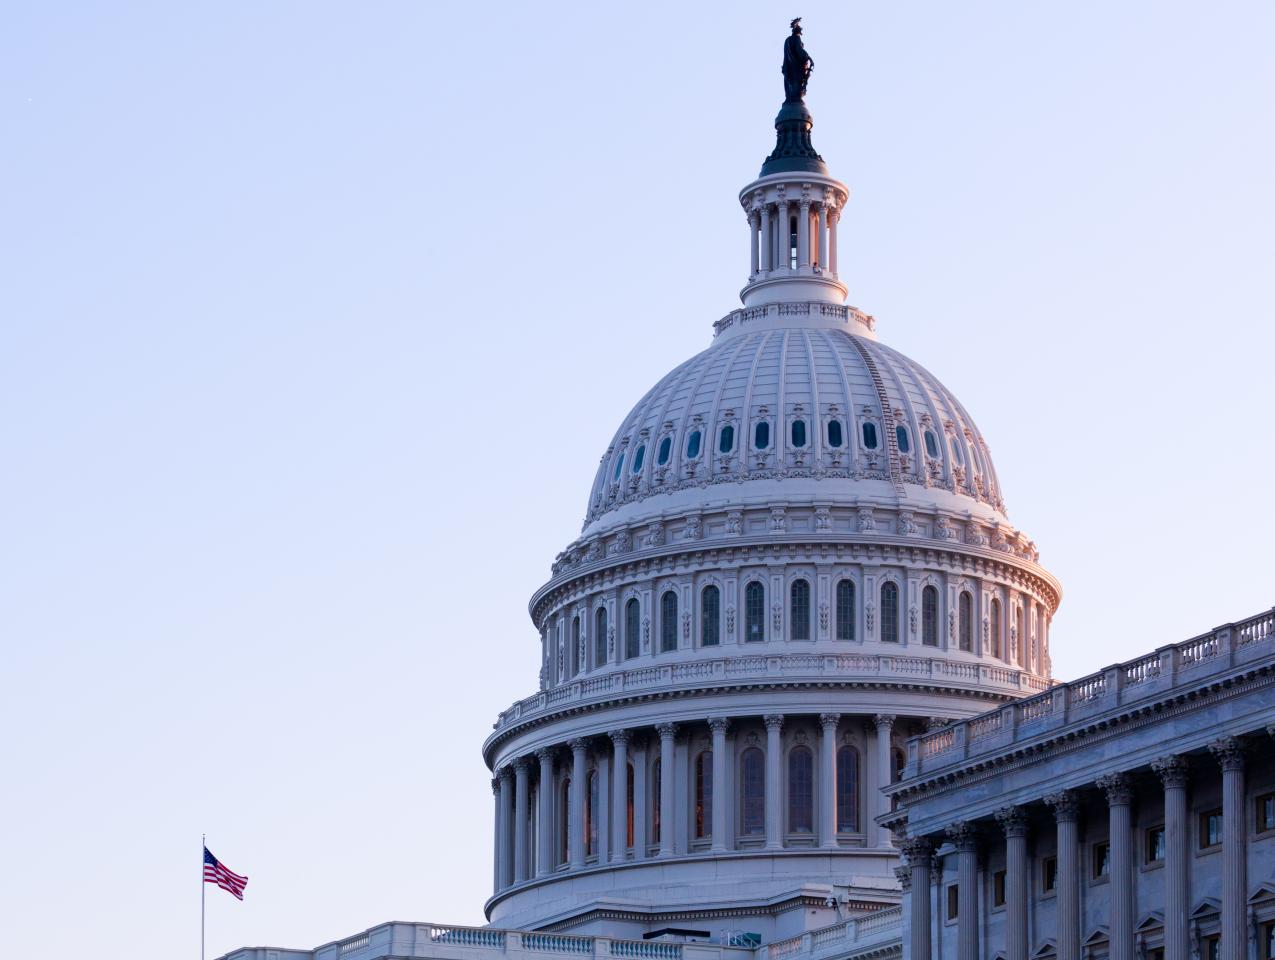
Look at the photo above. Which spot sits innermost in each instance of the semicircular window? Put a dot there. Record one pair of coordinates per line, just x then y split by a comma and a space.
834, 433
692, 446
761, 435
619, 465
638, 458
666, 447
905, 442
799, 433
931, 444
870, 436
726, 442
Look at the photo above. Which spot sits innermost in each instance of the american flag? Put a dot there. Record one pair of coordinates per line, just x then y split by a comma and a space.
215, 872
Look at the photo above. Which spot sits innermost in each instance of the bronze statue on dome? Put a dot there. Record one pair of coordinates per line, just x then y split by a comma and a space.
797, 65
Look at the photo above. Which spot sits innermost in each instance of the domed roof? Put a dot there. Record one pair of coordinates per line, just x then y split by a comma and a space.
803, 411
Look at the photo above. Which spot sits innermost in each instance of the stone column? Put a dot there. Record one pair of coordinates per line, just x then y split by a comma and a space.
821, 254
495, 840
579, 778
803, 235
828, 779
881, 804
718, 726
1229, 753
1067, 881
774, 782
667, 732
766, 238
754, 228
544, 821
620, 797
918, 852
522, 793
1013, 821
784, 253
964, 837
505, 830
834, 217
1172, 771
1120, 837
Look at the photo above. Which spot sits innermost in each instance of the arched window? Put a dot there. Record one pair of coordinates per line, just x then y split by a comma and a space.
931, 444
704, 794
905, 442
564, 821
801, 790
726, 440
834, 433
692, 445
956, 449
666, 448
656, 790
930, 616
845, 609
799, 433
710, 616
996, 627
638, 458
870, 436
965, 621
752, 792
591, 815
799, 595
889, 612
754, 612
761, 435
577, 661
619, 465
668, 621
792, 243
600, 637
628, 806
847, 790
632, 628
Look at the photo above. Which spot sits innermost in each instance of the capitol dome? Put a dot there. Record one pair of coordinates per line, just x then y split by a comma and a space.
795, 555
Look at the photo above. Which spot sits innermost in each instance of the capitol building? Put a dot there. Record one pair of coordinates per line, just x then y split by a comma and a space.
795, 697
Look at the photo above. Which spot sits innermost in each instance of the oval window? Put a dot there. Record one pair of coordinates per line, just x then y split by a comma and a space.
834, 433
956, 450
799, 433
870, 436
761, 436
638, 457
726, 443
931, 444
619, 465
666, 447
692, 446
905, 442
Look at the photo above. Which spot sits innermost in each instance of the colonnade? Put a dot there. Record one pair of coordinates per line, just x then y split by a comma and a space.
793, 235
602, 799
1112, 870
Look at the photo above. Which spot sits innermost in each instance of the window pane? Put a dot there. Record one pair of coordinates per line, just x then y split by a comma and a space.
619, 465
889, 613
710, 628
761, 435
656, 790
704, 794
632, 626
600, 637
996, 627
666, 448
668, 622
800, 610
905, 442
845, 610
847, 790
692, 446
956, 449
966, 616
931, 444
799, 433
638, 457
575, 659
930, 616
834, 433
754, 612
870, 436
752, 776
727, 442
800, 791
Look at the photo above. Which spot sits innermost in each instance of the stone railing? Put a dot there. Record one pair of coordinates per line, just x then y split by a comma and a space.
789, 667
842, 939
1217, 652
745, 315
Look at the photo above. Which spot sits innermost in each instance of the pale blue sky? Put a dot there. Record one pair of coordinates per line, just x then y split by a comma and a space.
315, 319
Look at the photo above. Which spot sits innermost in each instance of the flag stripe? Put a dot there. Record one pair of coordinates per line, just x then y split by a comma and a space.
228, 880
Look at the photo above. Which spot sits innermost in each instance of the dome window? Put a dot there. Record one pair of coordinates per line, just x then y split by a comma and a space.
761, 435
726, 442
638, 458
666, 448
799, 433
619, 465
931, 444
692, 446
956, 451
870, 436
834, 433
900, 434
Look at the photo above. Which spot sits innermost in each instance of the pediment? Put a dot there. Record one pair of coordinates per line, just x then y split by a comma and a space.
1153, 920
1263, 893
1047, 949
1208, 907
1096, 935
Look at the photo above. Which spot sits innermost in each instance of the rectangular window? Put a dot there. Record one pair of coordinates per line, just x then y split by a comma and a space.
1266, 812
1100, 861
1210, 829
1049, 874
998, 888
1266, 941
1157, 953
1155, 845
953, 901
1210, 947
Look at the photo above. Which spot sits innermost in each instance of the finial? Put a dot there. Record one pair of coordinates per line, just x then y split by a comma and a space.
793, 150
797, 65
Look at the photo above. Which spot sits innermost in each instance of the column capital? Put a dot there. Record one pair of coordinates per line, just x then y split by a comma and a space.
1228, 752
619, 737
773, 721
904, 876
1172, 770
1117, 788
884, 720
667, 731
718, 724
545, 755
964, 835
1013, 821
919, 851
1064, 804
829, 719
522, 764
495, 784
506, 772
578, 745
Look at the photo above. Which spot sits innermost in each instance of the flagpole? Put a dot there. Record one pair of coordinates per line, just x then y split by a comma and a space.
203, 845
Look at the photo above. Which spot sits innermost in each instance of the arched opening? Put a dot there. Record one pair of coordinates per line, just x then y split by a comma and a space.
930, 616
632, 628
845, 610
754, 612
710, 616
847, 789
801, 790
889, 612
752, 792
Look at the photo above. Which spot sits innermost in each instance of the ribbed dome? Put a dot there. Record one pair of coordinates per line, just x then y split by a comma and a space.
817, 409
